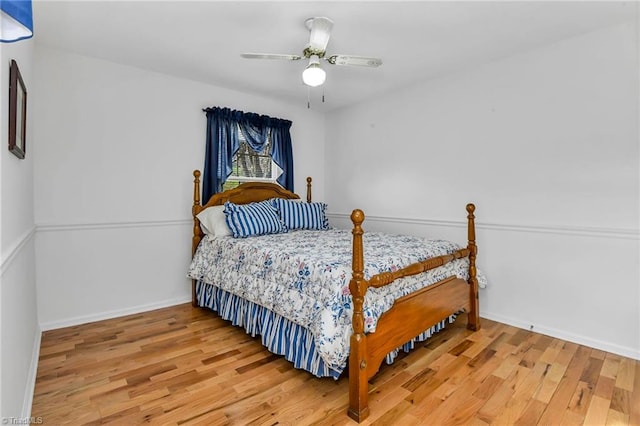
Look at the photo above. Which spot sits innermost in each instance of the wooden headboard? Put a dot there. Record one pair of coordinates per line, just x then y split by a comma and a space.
248, 192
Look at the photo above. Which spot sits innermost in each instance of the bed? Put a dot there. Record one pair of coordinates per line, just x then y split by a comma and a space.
339, 313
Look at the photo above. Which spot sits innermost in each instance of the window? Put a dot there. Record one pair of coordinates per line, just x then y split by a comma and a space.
223, 127
251, 166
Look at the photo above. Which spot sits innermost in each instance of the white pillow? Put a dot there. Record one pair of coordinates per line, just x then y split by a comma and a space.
213, 221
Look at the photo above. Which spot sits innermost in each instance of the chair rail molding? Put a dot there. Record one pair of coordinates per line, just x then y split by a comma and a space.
56, 227
7, 258
618, 233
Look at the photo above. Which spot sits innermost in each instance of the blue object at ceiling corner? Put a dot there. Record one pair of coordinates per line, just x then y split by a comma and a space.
16, 20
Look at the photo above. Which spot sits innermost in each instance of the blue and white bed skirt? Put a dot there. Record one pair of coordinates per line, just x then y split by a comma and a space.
282, 336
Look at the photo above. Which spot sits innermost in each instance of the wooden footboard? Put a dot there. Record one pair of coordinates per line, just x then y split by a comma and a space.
409, 316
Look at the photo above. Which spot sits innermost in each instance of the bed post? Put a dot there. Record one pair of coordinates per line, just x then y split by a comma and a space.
474, 312
358, 384
309, 189
197, 232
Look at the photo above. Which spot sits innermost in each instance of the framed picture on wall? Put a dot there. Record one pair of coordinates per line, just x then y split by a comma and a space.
17, 112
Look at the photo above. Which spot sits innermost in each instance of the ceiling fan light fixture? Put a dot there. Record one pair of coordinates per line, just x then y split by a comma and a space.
314, 75
319, 33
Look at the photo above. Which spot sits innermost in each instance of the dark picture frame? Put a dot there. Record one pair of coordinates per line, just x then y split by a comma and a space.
17, 112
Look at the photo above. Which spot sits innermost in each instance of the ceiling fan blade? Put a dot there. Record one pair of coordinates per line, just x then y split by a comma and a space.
320, 32
270, 56
361, 61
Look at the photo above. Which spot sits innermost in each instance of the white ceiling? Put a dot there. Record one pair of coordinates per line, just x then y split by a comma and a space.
417, 40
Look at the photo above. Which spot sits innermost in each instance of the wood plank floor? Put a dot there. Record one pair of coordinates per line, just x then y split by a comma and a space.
181, 365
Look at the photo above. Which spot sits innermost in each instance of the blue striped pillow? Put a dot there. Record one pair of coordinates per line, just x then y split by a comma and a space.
246, 220
297, 215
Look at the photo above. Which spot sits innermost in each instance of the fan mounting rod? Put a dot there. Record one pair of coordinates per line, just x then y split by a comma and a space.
320, 31
308, 23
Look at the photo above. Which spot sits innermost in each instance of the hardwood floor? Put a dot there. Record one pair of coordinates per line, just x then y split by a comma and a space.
181, 365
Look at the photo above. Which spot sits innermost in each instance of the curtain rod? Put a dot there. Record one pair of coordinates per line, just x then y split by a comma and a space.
260, 115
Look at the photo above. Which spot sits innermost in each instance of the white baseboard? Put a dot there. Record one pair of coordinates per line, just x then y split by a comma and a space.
628, 352
31, 378
83, 319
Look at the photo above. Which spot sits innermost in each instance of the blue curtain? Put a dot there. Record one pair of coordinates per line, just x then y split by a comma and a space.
222, 144
282, 153
255, 129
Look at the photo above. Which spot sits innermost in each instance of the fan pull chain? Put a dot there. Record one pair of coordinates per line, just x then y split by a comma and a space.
322, 94
308, 97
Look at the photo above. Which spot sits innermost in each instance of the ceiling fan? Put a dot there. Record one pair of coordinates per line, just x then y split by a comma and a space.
320, 31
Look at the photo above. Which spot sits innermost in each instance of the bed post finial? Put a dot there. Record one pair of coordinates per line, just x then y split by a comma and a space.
197, 232
474, 311
195, 210
358, 385
308, 189
196, 187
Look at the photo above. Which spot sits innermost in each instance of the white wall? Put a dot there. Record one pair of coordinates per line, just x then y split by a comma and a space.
113, 181
20, 333
546, 144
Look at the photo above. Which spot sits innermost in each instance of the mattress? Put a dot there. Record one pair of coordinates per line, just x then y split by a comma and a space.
303, 277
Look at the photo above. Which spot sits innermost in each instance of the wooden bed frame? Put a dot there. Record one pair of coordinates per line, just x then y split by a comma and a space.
409, 316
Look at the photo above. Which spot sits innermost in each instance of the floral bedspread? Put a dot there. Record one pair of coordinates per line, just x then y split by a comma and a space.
304, 276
